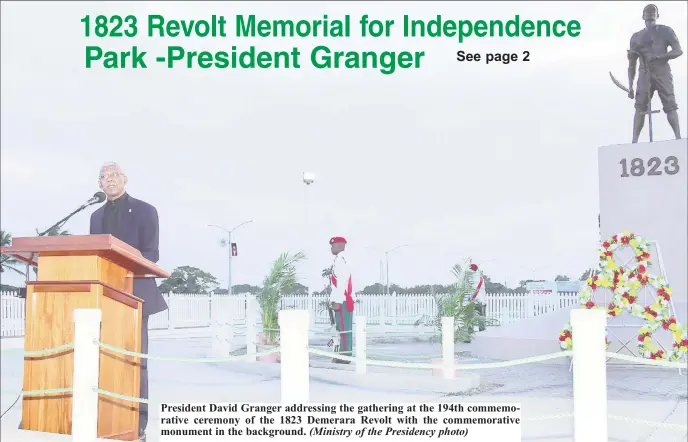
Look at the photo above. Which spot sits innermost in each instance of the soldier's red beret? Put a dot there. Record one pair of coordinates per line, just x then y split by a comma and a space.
337, 239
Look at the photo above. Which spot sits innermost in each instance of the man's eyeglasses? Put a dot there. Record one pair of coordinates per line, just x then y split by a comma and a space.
113, 175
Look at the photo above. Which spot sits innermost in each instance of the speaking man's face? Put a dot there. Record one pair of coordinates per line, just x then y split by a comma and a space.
112, 181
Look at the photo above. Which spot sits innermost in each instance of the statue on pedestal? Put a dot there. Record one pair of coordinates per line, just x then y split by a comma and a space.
650, 47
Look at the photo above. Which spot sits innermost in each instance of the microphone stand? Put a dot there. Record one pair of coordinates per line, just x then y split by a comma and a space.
63, 221
55, 227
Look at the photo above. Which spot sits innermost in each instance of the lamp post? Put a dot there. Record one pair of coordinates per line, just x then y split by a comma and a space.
229, 243
386, 253
308, 179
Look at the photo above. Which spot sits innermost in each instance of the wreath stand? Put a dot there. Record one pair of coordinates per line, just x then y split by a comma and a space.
646, 295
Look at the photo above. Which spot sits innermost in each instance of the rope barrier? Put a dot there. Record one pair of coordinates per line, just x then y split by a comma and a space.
651, 362
140, 400
550, 416
482, 366
183, 359
47, 351
616, 418
649, 423
45, 392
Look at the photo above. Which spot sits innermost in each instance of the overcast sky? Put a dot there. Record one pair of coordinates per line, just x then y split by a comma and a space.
496, 162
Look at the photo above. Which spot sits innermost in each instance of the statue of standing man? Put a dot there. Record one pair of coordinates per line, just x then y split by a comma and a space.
650, 46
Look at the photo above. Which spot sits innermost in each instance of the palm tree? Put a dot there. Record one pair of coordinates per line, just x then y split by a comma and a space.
56, 231
282, 276
8, 262
459, 305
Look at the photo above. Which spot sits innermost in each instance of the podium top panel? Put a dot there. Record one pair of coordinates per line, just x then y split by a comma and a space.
107, 246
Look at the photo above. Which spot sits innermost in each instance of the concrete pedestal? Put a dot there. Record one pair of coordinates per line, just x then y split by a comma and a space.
644, 189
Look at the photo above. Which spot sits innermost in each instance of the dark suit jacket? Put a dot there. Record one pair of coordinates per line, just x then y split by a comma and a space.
138, 226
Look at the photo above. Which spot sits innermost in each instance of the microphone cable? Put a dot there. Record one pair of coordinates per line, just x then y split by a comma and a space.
11, 406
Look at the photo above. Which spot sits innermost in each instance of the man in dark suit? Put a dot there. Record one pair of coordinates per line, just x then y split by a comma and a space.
136, 223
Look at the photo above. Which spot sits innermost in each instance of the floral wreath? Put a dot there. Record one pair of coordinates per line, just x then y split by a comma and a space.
640, 247
566, 339
625, 283
679, 347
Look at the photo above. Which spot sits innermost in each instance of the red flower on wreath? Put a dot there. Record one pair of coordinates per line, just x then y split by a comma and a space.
662, 293
642, 278
683, 343
564, 335
625, 240
474, 267
611, 309
666, 323
641, 268
629, 298
592, 284
659, 354
642, 336
651, 312
589, 304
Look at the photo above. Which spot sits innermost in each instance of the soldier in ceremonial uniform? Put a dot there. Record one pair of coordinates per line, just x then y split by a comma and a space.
342, 298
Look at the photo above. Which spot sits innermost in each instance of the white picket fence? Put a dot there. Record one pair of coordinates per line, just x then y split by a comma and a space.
196, 310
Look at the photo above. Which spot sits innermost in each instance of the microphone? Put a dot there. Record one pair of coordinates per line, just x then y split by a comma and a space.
97, 198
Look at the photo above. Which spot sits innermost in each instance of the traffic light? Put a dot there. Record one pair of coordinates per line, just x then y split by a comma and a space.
234, 249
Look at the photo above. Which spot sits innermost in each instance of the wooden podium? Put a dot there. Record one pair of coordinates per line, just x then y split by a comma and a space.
86, 271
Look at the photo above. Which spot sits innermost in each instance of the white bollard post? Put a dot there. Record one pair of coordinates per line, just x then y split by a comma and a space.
312, 307
589, 375
216, 333
228, 334
360, 342
295, 379
170, 311
448, 347
251, 335
86, 371
394, 307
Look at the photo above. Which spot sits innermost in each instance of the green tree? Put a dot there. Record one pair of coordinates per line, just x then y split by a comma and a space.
9, 263
241, 288
188, 279
56, 231
586, 274
495, 287
296, 289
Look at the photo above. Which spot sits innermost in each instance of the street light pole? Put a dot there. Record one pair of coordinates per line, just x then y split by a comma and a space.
308, 178
229, 244
386, 253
